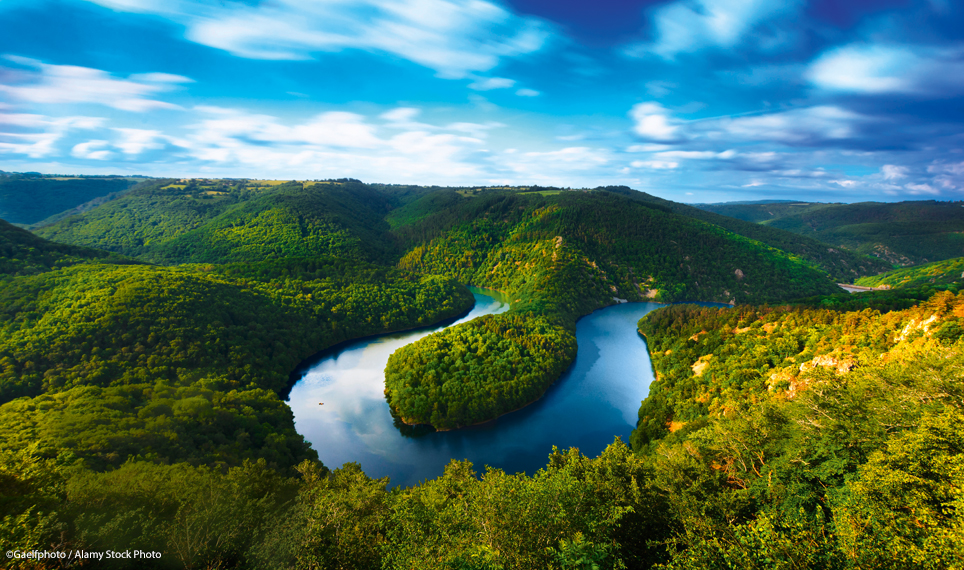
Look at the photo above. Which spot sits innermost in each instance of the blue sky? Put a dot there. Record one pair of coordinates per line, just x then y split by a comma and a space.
691, 100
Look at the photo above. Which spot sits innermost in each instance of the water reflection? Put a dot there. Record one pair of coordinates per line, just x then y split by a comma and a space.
596, 400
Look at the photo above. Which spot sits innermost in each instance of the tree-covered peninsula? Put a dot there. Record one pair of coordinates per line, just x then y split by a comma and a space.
558, 257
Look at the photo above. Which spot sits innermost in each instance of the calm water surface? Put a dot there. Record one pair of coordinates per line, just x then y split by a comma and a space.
591, 404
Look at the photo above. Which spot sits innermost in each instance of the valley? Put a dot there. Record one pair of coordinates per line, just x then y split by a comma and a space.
182, 334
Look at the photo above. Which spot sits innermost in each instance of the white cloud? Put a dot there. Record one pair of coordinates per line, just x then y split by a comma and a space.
36, 135
333, 129
876, 69
390, 147
648, 147
921, 189
524, 92
688, 154
453, 37
489, 83
893, 172
654, 164
60, 84
136, 141
949, 176
92, 150
653, 122
660, 89
691, 25
580, 156
808, 125
160, 78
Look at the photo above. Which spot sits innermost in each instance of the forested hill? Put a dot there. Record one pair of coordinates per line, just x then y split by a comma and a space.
230, 220
623, 246
28, 198
179, 362
23, 253
842, 264
558, 257
902, 233
936, 273
810, 436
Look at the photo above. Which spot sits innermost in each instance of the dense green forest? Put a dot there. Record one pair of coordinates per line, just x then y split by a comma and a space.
142, 384
558, 257
936, 273
903, 233
29, 198
149, 346
807, 437
22, 253
557, 254
836, 446
230, 220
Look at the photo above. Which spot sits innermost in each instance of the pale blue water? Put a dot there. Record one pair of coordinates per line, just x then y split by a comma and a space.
593, 402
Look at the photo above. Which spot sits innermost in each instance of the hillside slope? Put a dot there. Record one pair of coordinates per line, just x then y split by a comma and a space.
903, 233
841, 264
176, 360
804, 434
225, 221
559, 257
936, 273
23, 253
28, 199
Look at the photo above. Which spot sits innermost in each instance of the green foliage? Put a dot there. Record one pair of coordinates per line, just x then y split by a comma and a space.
142, 405
478, 371
194, 515
105, 427
189, 363
30, 199
614, 246
224, 221
904, 233
825, 443
559, 257
22, 253
568, 515
842, 265
938, 273
237, 326
906, 507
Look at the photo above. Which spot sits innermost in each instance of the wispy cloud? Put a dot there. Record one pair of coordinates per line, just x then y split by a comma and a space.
881, 69
454, 38
488, 83
35, 135
691, 25
92, 150
36, 82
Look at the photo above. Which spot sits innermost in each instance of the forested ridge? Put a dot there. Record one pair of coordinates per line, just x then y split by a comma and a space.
559, 257
29, 198
901, 233
936, 273
801, 436
141, 397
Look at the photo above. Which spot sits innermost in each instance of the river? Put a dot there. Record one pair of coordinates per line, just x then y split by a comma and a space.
593, 402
